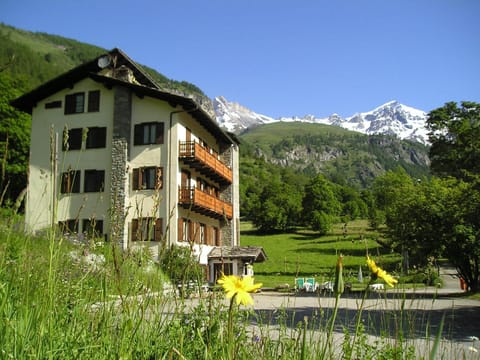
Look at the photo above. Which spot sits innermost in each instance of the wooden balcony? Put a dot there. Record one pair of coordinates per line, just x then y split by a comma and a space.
204, 203
199, 158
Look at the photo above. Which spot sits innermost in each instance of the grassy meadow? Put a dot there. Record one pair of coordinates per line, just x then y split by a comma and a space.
304, 253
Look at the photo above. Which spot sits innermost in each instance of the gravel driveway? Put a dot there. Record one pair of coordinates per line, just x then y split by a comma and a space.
420, 313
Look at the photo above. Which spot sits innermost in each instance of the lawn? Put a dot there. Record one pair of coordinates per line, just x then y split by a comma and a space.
305, 253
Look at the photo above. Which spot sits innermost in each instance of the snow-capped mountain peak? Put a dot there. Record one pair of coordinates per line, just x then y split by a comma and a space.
235, 117
391, 118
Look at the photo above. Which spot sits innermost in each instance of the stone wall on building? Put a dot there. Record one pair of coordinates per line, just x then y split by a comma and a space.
120, 156
226, 194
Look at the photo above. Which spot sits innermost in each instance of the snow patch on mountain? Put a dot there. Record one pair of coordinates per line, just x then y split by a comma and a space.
391, 118
235, 118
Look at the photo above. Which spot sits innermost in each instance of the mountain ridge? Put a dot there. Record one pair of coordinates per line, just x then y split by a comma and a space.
391, 118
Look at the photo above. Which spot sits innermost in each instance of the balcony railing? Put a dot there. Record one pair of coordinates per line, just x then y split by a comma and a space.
204, 203
199, 158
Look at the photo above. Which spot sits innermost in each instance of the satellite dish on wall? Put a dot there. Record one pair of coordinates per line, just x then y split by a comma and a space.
103, 61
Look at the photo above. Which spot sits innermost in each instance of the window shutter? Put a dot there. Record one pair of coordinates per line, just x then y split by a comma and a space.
96, 137
74, 181
159, 178
65, 138
102, 137
180, 229
218, 239
75, 139
190, 236
94, 101
69, 104
134, 229
100, 180
196, 233
138, 135
208, 235
65, 183
135, 179
158, 229
160, 127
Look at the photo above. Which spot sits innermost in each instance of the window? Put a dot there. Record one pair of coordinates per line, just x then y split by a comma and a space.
68, 226
72, 139
148, 133
96, 137
185, 230
94, 180
74, 103
53, 104
70, 182
94, 101
147, 229
147, 178
217, 237
93, 228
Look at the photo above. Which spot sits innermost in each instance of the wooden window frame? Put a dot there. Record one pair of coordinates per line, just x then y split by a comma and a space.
141, 179
70, 182
153, 226
143, 133
74, 103
93, 101
72, 139
96, 138
186, 230
94, 180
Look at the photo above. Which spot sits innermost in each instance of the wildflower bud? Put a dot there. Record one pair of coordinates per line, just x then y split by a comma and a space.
339, 285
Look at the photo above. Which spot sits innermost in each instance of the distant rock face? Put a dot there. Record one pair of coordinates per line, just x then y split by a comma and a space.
391, 118
235, 117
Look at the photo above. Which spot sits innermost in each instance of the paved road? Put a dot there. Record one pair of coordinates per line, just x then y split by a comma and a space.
420, 313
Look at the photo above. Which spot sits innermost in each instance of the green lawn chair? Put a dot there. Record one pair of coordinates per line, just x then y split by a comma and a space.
310, 285
299, 284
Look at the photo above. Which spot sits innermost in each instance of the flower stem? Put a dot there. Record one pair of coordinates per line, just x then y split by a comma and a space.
230, 344
332, 325
359, 318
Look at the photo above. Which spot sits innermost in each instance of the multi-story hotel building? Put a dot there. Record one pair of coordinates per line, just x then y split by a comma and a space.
114, 155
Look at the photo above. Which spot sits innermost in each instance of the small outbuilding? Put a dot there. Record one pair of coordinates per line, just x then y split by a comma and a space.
236, 260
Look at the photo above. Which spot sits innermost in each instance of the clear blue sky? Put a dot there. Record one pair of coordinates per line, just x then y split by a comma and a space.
285, 58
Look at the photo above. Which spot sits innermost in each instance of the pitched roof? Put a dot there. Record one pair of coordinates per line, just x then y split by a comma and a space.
143, 85
248, 253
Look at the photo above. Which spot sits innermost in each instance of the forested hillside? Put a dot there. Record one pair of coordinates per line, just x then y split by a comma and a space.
38, 57
345, 157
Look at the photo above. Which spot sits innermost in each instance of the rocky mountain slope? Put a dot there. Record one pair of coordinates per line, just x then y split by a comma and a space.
391, 118
342, 155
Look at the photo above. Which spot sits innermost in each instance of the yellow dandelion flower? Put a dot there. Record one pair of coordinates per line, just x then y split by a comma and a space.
380, 273
239, 287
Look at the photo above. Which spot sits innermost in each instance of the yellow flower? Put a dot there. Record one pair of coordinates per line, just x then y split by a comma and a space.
380, 273
235, 286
